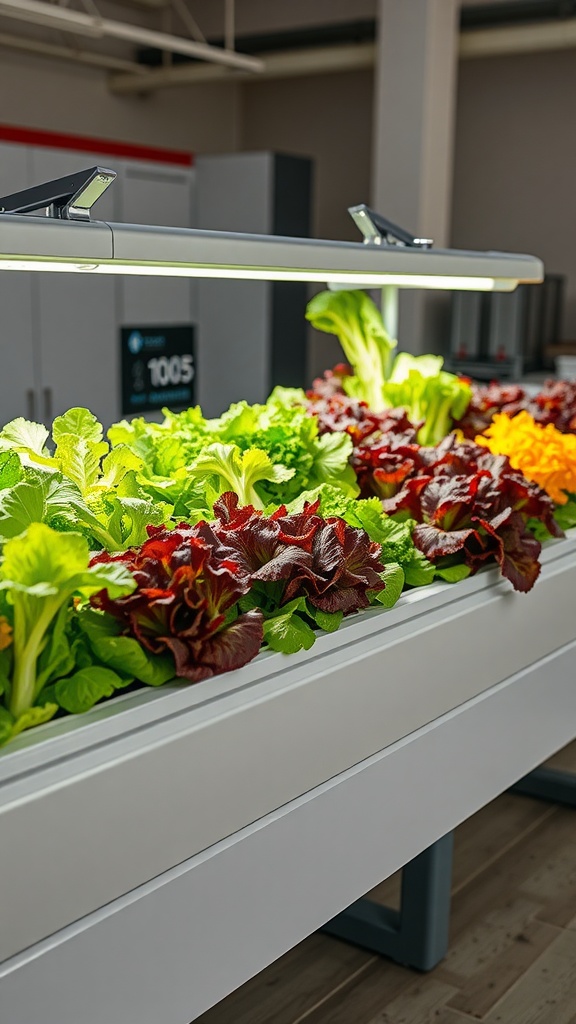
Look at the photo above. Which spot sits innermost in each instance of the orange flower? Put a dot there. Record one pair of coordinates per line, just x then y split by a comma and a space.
542, 454
5, 633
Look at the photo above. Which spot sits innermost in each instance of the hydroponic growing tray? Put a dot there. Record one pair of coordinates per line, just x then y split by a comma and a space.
160, 850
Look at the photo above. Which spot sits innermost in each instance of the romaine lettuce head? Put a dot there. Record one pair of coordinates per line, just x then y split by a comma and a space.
358, 325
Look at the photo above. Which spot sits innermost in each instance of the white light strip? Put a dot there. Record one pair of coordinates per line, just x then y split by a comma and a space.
359, 279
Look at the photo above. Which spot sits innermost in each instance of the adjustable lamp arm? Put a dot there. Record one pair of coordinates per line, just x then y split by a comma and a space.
377, 229
68, 198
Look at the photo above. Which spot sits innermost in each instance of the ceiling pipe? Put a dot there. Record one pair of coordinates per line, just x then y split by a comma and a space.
40, 13
514, 39
474, 43
88, 58
289, 64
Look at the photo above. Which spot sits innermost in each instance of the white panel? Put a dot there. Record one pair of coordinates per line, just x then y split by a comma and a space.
18, 307
169, 950
77, 328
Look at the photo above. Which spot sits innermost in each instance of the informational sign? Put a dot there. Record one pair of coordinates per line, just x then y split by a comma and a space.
158, 368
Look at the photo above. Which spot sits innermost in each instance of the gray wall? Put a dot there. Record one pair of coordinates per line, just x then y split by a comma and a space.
515, 161
328, 118
65, 97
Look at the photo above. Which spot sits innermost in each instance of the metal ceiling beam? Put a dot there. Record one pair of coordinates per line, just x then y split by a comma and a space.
38, 12
474, 43
514, 39
104, 62
317, 61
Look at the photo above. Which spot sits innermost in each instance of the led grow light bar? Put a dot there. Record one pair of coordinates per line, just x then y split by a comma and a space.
42, 244
34, 244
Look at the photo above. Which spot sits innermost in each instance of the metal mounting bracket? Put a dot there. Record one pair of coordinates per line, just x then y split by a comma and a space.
377, 229
68, 198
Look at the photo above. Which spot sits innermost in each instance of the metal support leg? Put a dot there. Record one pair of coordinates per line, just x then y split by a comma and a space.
549, 784
417, 934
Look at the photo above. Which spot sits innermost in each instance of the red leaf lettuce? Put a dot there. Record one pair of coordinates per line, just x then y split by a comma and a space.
186, 595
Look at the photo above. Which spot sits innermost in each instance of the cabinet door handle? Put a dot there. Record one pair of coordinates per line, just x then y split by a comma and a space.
31, 403
47, 393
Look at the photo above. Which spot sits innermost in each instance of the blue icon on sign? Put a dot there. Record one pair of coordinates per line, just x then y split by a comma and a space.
135, 342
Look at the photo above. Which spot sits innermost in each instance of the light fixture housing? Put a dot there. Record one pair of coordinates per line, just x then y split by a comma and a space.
43, 244
66, 240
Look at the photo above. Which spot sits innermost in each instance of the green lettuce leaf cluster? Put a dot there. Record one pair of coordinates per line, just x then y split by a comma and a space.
429, 394
68, 493
79, 483
264, 453
42, 575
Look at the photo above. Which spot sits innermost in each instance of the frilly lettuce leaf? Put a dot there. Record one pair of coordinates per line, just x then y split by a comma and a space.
330, 463
11, 470
239, 471
77, 422
28, 439
428, 393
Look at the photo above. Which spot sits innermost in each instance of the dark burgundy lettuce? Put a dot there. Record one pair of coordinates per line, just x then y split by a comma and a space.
187, 591
555, 403
330, 563
335, 411
190, 581
470, 503
486, 401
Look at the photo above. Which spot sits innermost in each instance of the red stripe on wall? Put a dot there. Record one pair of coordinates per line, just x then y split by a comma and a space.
87, 144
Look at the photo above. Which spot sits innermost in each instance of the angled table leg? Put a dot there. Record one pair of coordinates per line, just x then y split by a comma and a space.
417, 934
548, 784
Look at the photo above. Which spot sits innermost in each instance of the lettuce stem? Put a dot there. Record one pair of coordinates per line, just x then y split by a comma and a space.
23, 693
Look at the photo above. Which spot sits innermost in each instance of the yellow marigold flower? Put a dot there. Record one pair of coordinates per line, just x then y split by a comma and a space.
542, 454
5, 633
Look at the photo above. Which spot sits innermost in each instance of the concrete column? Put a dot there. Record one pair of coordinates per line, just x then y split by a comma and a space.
415, 94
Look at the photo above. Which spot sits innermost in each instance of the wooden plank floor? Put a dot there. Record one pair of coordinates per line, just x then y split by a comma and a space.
512, 956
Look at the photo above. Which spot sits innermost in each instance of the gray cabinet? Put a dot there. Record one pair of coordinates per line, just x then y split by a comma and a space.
77, 320
19, 296
150, 194
60, 332
251, 334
